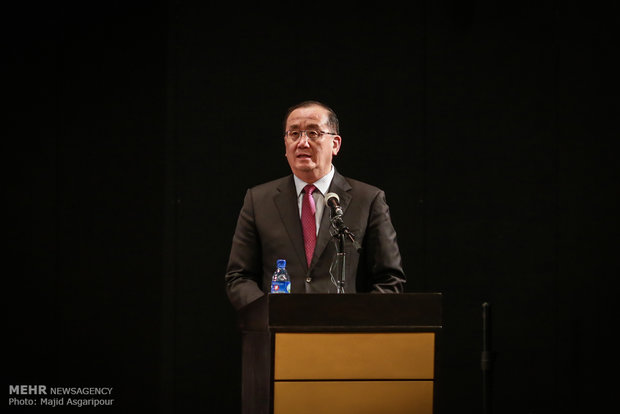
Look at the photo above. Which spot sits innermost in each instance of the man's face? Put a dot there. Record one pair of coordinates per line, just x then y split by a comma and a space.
310, 160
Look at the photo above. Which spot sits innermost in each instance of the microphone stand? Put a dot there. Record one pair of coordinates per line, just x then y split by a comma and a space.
341, 258
340, 232
486, 360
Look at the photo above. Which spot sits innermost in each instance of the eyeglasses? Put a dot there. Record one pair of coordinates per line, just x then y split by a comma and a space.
313, 135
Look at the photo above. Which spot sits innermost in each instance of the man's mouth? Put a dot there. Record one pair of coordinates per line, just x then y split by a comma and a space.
302, 156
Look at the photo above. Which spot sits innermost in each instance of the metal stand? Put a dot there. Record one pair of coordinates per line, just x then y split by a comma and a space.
486, 360
341, 259
340, 233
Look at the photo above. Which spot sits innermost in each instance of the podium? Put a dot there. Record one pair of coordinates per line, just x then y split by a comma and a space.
340, 353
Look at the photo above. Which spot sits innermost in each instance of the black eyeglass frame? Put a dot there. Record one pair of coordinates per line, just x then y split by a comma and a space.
320, 133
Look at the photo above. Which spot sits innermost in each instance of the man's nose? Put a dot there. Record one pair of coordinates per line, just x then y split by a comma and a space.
304, 141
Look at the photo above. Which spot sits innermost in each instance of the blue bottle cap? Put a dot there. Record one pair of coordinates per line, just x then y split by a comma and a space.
281, 263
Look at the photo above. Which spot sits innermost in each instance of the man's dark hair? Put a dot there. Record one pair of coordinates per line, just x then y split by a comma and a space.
332, 119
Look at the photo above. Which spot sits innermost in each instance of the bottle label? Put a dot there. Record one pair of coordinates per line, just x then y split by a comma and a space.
280, 287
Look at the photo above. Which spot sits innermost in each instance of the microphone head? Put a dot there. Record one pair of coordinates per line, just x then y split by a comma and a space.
329, 196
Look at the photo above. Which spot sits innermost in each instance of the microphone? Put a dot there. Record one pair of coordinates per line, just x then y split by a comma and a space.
333, 202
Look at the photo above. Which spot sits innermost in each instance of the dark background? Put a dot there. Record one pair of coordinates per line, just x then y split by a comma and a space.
136, 127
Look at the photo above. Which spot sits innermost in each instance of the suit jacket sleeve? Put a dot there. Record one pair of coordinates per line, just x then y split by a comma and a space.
243, 274
382, 255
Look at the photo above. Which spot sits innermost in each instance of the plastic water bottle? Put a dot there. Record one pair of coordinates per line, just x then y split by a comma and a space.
280, 281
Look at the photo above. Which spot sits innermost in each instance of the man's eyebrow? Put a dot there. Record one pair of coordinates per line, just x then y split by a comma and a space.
308, 126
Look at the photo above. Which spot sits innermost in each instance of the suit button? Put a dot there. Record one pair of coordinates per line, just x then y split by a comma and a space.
308, 279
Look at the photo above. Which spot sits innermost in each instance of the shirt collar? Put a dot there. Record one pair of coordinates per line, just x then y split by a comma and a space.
321, 184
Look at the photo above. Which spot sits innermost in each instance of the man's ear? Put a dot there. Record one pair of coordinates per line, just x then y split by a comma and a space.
336, 144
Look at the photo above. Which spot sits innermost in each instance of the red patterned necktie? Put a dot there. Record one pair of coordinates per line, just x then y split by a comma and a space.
308, 221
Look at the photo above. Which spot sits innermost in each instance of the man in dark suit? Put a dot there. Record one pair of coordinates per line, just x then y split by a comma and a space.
287, 219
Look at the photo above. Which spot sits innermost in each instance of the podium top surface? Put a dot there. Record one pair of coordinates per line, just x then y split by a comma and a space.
363, 311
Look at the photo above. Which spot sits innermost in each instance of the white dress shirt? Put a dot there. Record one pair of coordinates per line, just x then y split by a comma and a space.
322, 186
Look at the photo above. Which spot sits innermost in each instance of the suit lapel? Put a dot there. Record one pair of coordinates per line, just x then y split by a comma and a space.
341, 187
286, 202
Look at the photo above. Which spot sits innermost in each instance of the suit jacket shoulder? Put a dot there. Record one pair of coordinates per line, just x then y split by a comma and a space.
362, 186
270, 188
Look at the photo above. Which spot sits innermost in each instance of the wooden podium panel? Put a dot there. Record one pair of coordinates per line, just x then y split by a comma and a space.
395, 355
348, 353
353, 397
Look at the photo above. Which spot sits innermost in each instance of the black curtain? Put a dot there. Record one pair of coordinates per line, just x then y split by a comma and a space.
135, 129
